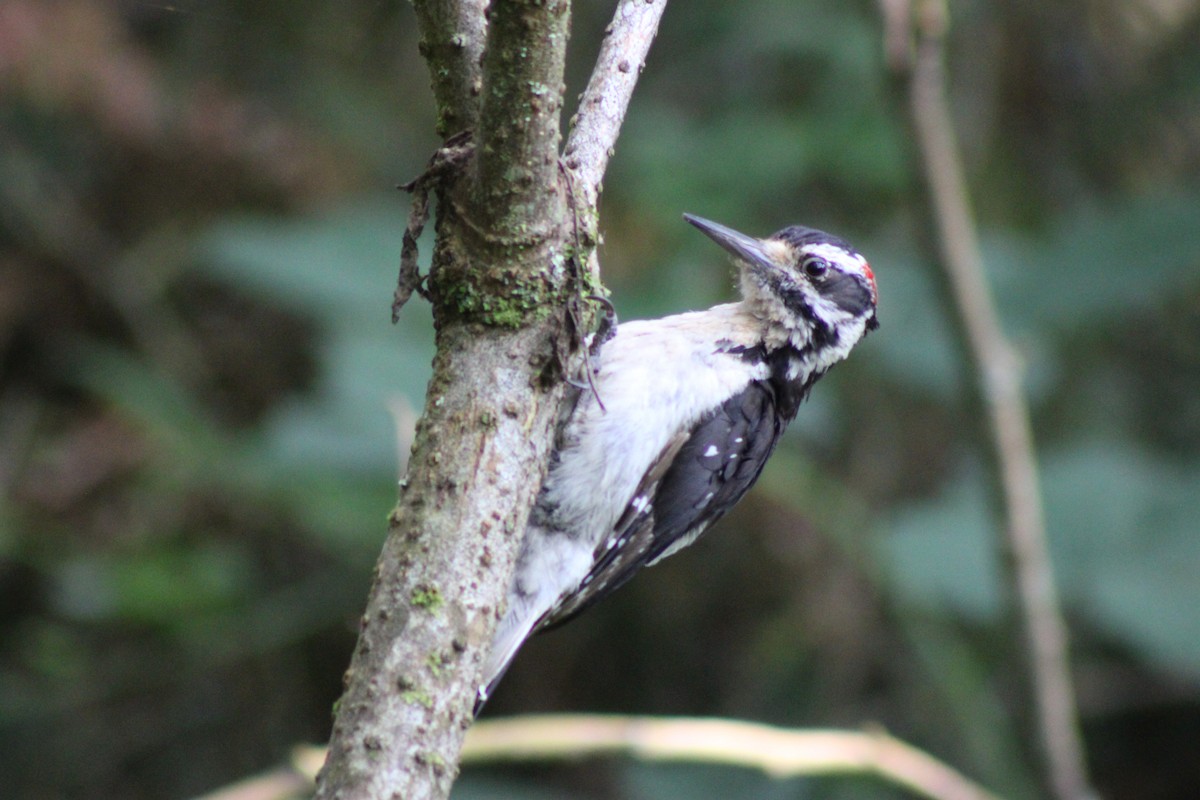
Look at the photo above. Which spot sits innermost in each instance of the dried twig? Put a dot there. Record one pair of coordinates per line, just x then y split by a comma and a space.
999, 374
284, 783
778, 752
445, 161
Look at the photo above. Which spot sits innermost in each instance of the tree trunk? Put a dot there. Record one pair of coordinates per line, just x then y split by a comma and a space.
515, 240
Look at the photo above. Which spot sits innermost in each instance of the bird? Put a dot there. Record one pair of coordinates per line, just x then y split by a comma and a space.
677, 422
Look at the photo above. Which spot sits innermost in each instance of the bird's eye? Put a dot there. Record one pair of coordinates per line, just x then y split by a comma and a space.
814, 266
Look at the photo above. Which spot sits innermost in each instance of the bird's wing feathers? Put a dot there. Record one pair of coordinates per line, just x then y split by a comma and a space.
699, 475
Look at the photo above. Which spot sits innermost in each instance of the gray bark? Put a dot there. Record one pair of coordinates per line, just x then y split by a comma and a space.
508, 263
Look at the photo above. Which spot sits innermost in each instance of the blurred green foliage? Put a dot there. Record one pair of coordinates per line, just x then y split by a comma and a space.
203, 407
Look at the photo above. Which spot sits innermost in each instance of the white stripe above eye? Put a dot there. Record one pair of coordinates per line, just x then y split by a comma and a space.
852, 262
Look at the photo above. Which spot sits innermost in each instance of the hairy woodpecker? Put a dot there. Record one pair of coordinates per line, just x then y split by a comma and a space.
685, 412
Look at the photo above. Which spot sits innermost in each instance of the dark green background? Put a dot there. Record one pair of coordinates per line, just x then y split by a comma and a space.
198, 244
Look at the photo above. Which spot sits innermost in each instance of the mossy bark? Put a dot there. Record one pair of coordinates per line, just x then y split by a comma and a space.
498, 282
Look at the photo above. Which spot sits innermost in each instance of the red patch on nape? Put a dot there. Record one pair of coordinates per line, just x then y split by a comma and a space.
870, 279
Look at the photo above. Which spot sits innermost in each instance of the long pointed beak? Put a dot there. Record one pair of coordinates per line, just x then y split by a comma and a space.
742, 246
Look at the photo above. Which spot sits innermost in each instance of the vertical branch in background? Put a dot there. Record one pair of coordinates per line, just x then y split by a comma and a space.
999, 375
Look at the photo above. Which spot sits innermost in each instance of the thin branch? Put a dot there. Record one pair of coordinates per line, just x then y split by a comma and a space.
452, 38
602, 107
778, 752
597, 122
999, 374
283, 783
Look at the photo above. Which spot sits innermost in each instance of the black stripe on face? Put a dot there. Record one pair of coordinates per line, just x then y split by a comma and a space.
793, 296
849, 292
846, 291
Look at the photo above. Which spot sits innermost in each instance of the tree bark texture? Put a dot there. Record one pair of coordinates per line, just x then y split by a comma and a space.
452, 37
513, 263
515, 257
498, 281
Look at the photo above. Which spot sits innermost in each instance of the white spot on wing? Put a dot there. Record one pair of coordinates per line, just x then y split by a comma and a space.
711, 451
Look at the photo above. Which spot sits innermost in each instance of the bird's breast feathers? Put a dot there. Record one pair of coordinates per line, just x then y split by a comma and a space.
651, 386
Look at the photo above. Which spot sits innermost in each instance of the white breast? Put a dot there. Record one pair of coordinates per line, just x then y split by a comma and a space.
656, 377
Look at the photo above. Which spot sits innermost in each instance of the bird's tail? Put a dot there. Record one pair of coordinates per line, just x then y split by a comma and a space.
485, 689
514, 629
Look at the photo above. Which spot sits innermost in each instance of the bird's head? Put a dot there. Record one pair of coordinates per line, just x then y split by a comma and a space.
812, 289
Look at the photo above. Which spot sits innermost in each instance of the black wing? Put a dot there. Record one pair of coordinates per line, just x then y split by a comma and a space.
698, 477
